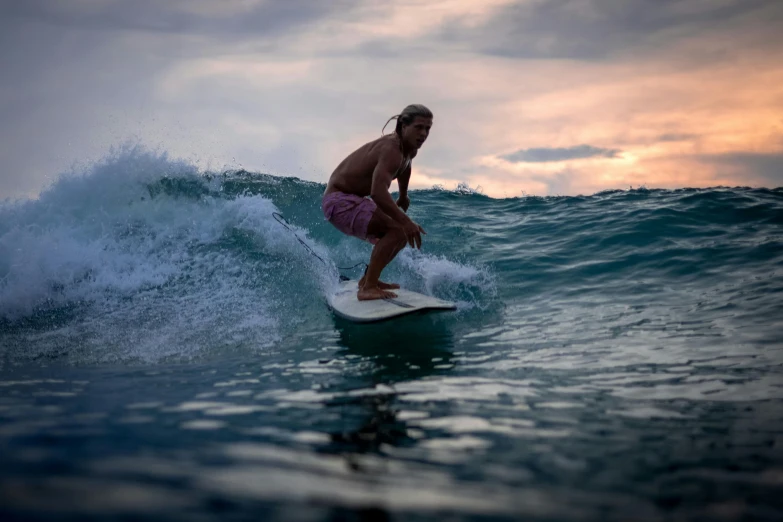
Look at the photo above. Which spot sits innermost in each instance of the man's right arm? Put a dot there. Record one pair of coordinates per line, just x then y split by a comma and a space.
382, 176
388, 163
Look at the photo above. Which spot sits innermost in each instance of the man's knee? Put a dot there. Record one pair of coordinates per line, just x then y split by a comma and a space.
398, 233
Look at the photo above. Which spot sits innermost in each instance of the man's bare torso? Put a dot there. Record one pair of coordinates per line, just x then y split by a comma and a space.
354, 174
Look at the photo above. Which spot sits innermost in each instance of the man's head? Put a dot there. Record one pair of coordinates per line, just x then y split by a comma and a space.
413, 125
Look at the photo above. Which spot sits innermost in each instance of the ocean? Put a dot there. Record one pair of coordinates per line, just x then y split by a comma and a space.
166, 353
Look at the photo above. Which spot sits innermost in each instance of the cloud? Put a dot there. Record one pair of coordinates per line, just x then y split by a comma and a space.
544, 154
749, 168
244, 83
82, 76
675, 137
598, 29
230, 19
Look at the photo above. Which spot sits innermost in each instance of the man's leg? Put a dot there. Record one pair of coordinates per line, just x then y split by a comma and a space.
378, 226
381, 284
392, 240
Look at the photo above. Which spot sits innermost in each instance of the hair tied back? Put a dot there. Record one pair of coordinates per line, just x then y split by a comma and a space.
396, 116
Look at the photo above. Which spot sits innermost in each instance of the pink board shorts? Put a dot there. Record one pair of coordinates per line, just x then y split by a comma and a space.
349, 213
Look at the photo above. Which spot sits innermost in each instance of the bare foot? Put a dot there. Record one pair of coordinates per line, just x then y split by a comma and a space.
381, 285
368, 294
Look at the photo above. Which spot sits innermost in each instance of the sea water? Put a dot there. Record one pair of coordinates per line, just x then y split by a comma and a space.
166, 353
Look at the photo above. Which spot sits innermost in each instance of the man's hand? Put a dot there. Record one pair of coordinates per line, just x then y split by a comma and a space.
413, 233
403, 202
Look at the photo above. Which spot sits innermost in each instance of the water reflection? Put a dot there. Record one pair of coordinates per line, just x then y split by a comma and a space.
406, 349
403, 349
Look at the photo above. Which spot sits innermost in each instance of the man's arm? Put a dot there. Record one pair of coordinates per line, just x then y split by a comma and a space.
402, 181
388, 163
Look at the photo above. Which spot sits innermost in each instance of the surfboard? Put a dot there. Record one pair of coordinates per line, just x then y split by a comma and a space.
345, 304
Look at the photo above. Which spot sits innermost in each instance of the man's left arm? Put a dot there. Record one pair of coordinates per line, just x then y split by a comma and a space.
403, 201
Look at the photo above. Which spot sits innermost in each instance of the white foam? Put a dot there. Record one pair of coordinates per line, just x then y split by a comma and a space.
467, 285
152, 277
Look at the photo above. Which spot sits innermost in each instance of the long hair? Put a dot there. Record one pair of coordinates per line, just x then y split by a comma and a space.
407, 116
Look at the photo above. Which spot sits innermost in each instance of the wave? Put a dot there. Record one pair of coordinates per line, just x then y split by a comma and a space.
140, 257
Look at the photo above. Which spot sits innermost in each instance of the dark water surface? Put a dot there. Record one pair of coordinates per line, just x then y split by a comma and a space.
166, 353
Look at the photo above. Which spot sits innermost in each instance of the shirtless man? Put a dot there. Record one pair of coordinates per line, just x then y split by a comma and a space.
369, 171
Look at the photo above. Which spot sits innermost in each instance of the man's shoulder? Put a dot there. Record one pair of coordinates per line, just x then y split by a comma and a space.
386, 147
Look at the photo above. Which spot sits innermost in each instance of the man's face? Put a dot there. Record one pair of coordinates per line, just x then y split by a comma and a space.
415, 134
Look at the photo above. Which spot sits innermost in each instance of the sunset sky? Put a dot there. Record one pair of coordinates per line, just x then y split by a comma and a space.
536, 97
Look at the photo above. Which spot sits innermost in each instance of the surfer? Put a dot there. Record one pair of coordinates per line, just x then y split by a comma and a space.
357, 199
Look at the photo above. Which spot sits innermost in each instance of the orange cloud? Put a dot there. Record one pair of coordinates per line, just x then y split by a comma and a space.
663, 118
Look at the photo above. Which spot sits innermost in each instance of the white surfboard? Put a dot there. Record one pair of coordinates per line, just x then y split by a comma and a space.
345, 304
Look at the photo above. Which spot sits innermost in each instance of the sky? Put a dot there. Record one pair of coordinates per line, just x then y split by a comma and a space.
531, 97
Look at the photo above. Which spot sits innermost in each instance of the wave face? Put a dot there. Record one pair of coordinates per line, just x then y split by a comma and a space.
143, 258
